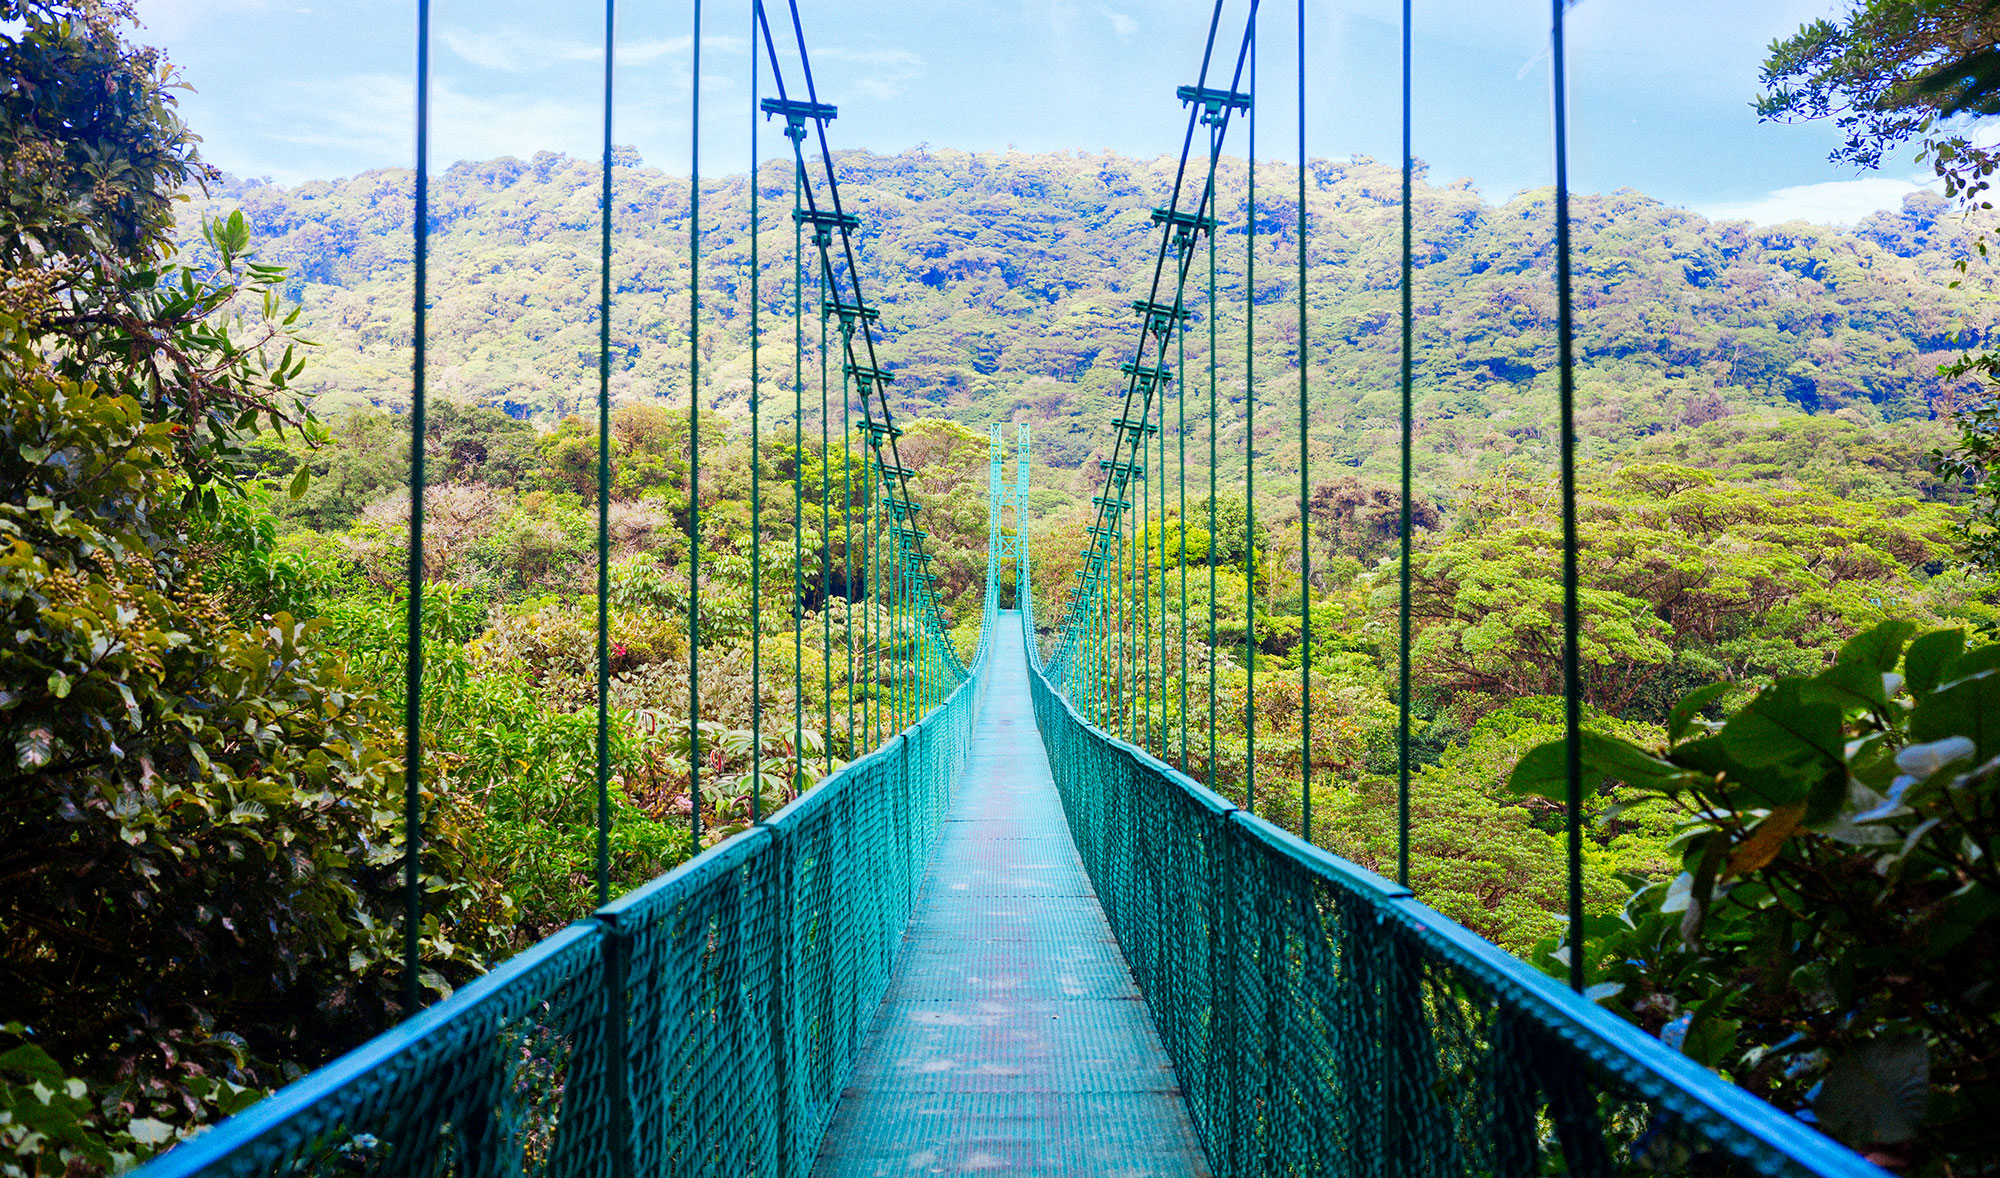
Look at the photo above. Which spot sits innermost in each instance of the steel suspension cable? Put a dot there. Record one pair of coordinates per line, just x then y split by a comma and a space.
798, 477
825, 541
694, 445
1159, 467
756, 462
1180, 474
1566, 385
1214, 457
1145, 539
1250, 448
934, 663
869, 659
1305, 481
413, 661
1176, 225
847, 539
1408, 373
604, 482
872, 374
1094, 616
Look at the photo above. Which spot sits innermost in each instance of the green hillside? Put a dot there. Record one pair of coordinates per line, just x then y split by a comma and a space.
1005, 281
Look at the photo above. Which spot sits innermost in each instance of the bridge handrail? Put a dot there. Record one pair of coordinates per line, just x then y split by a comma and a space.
736, 988
1313, 1009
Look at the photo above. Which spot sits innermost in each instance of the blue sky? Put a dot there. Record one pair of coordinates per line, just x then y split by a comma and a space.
301, 89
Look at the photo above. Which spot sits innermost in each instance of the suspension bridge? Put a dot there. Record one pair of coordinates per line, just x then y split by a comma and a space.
1015, 932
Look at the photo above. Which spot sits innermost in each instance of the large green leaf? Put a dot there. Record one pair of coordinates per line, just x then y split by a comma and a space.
1928, 656
1968, 708
1544, 771
1683, 716
1875, 1094
1854, 688
1784, 728
1877, 649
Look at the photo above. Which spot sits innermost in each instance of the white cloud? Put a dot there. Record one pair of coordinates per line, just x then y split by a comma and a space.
518, 51
363, 115
1121, 24
508, 51
173, 19
878, 73
369, 117
1832, 202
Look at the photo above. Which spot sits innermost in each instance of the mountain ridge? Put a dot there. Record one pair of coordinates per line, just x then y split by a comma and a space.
1005, 279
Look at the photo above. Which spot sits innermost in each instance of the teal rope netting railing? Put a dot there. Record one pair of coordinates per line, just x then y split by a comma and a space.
1319, 1018
703, 1024
1322, 1021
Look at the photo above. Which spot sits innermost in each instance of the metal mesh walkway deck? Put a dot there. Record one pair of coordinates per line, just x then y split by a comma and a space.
1012, 1039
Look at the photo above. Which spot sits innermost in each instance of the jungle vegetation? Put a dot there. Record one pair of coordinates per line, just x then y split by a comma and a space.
204, 496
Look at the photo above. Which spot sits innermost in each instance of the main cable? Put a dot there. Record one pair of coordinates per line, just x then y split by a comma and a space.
1176, 230
1250, 447
934, 662
756, 469
798, 480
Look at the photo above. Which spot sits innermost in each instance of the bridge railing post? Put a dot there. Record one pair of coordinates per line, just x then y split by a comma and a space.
781, 1012
617, 1046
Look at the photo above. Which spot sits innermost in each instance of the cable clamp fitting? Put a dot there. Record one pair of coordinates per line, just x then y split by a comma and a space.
796, 114
1215, 104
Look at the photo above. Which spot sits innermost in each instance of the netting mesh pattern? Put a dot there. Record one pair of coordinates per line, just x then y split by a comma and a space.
1322, 1022
508, 1077
703, 1025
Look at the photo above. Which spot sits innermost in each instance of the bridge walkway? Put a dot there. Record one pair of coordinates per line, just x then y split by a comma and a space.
1012, 1039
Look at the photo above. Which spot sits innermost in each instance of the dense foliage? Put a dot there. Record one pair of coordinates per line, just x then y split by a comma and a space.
1892, 71
1832, 937
200, 825
197, 832
1004, 281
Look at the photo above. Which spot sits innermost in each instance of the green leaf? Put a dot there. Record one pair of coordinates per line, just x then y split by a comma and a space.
1876, 1093
1928, 656
33, 748
1782, 729
1877, 649
1827, 796
1979, 658
301, 481
1968, 708
147, 1131
31, 1061
235, 233
1710, 1036
1544, 770
1701, 887
1854, 688
1685, 712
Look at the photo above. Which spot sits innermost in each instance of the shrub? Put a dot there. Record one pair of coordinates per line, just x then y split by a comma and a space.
1832, 941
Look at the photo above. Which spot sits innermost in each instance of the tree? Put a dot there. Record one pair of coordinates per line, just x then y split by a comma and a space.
1925, 70
1363, 520
198, 832
1684, 579
1832, 938
1895, 71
